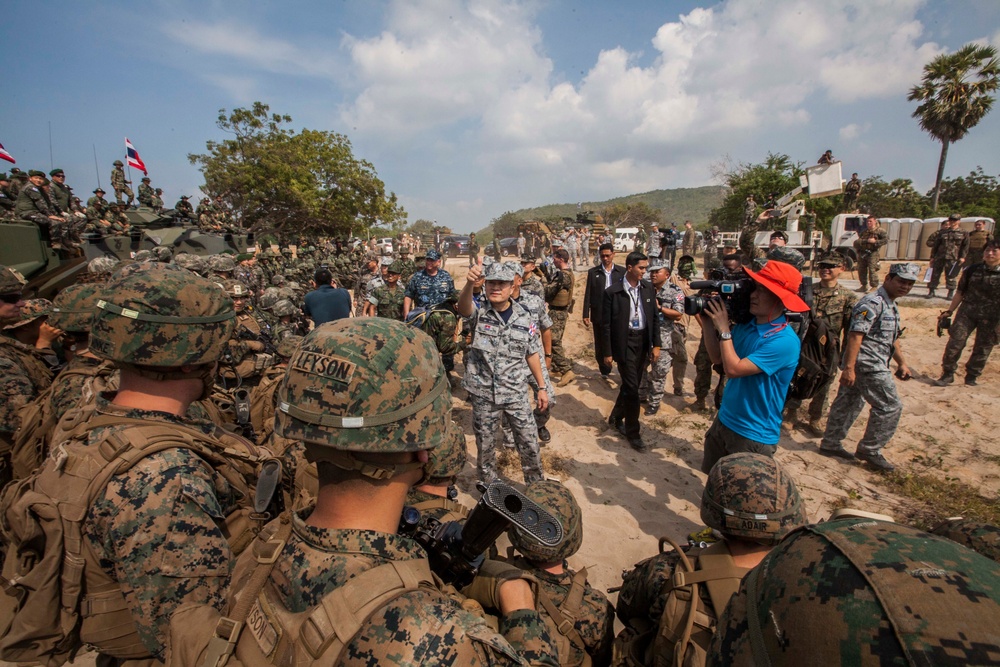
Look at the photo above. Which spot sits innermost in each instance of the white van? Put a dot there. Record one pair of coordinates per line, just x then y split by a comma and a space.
625, 239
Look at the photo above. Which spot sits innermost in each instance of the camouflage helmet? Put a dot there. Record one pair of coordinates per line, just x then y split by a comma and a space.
277, 279
163, 253
686, 266
235, 288
787, 255
102, 265
860, 592
396, 267
446, 461
365, 385
118, 163
73, 308
749, 496
32, 310
221, 264
163, 317
982, 538
269, 298
288, 345
284, 307
11, 280
192, 263
557, 499
144, 256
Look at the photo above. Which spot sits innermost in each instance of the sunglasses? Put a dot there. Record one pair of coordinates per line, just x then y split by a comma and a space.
11, 298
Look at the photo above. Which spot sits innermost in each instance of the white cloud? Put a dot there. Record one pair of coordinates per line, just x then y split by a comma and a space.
852, 131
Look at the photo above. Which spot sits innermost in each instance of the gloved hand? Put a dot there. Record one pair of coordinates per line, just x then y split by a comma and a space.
485, 588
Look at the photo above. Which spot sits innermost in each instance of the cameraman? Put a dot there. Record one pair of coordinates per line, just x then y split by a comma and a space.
759, 358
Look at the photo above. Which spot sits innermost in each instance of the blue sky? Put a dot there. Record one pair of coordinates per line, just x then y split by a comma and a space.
469, 109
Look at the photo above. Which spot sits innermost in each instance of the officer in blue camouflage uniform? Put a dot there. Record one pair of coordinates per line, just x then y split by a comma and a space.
670, 304
429, 286
505, 350
368, 399
536, 307
872, 341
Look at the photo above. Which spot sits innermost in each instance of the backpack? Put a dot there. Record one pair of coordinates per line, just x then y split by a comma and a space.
58, 597
258, 631
686, 627
818, 360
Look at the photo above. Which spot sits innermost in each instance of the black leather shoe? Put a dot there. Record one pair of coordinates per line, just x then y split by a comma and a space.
637, 444
876, 461
650, 410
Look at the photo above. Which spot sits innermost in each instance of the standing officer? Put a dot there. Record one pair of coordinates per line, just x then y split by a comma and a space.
669, 309
600, 278
872, 340
949, 247
631, 330
119, 184
977, 303
559, 296
505, 350
977, 242
429, 286
851, 192
867, 245
473, 250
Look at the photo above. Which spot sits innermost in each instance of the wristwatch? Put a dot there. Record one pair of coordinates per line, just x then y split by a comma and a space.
726, 335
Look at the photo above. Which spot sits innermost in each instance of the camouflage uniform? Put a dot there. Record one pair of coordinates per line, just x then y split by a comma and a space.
851, 192
428, 291
496, 375
119, 184
533, 285
877, 317
653, 382
184, 208
979, 312
981, 537
559, 296
23, 375
977, 241
949, 248
34, 205
703, 376
679, 356
361, 291
640, 240
145, 194
388, 302
868, 258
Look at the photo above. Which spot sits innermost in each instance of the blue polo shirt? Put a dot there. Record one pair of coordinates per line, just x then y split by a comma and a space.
326, 304
752, 405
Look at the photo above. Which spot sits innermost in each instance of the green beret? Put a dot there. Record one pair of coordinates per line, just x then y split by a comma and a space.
35, 172
56, 172
3, 176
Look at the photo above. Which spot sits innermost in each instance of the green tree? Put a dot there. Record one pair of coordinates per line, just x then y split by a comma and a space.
504, 225
775, 176
977, 194
954, 96
310, 181
422, 227
633, 214
896, 199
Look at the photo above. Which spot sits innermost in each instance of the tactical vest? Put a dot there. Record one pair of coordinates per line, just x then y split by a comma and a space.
686, 627
564, 296
259, 630
59, 598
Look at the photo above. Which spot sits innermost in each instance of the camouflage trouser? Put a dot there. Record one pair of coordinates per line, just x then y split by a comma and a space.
541, 416
868, 268
703, 375
560, 363
653, 382
878, 390
939, 267
127, 191
678, 350
818, 404
987, 336
485, 423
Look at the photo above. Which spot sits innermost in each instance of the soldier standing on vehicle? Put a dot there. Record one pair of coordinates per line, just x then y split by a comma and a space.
505, 350
851, 192
976, 306
949, 248
145, 192
119, 184
870, 240
872, 341
978, 238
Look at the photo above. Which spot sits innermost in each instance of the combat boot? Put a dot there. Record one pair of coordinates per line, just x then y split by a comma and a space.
945, 380
699, 405
930, 294
816, 427
951, 294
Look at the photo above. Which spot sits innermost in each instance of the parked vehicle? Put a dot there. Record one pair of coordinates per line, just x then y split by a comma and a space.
625, 239
454, 245
384, 246
508, 247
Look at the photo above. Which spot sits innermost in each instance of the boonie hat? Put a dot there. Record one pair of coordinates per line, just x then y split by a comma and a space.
784, 281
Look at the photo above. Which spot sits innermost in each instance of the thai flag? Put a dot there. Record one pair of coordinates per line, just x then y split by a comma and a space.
132, 157
4, 155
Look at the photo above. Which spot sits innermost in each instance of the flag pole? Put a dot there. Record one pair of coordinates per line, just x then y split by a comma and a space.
96, 168
51, 162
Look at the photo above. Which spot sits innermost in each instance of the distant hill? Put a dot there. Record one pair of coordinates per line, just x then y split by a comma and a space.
678, 205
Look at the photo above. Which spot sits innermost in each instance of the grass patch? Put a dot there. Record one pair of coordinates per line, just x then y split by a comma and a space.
937, 499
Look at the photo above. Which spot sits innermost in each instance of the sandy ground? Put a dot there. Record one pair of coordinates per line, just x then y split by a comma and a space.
630, 499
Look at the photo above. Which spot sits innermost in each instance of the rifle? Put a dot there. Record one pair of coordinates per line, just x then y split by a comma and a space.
243, 333
457, 550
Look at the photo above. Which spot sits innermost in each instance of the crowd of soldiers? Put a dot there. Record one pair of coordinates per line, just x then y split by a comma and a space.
230, 484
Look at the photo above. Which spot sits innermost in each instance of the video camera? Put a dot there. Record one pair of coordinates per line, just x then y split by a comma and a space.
731, 289
457, 550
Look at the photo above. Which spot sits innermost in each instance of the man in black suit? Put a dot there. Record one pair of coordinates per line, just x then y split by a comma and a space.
631, 332
600, 278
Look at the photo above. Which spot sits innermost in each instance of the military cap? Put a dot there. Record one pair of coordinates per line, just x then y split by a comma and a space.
73, 308
396, 267
832, 258
432, 254
655, 264
779, 234
3, 176
32, 310
100, 265
145, 179
863, 592
751, 497
954, 216
35, 172
98, 190
904, 270
56, 172
364, 385
221, 264
515, 267
528, 259
499, 271
559, 501
11, 280
16, 171
159, 315
159, 191
118, 163
385, 261
444, 463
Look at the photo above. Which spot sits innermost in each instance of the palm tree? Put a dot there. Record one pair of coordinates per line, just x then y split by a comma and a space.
954, 96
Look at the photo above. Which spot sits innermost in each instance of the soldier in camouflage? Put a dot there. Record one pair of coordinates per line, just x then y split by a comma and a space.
34, 205
119, 184
833, 303
976, 305
246, 355
504, 352
580, 618
876, 593
436, 496
982, 538
949, 248
867, 246
532, 284
559, 297
536, 307
429, 286
978, 238
851, 192
387, 300
670, 307
872, 341
369, 273
145, 192
752, 503
368, 399
184, 208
